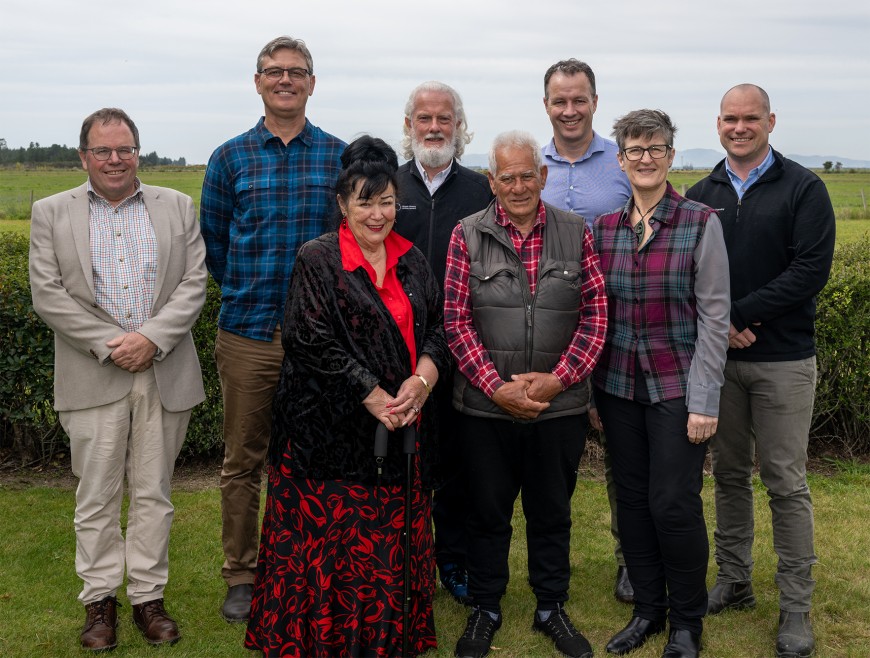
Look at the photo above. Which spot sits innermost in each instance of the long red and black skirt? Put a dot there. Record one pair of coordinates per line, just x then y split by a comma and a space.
330, 570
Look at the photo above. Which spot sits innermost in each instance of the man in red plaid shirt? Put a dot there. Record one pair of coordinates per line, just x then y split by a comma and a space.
525, 315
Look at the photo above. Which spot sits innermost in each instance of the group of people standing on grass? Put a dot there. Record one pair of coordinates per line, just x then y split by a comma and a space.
480, 323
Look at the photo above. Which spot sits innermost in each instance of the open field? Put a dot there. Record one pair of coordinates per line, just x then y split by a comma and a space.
41, 616
17, 186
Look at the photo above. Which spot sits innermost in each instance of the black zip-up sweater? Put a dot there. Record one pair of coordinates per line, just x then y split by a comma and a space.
780, 240
428, 221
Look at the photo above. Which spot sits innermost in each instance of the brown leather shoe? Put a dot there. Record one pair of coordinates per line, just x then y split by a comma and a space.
101, 621
157, 626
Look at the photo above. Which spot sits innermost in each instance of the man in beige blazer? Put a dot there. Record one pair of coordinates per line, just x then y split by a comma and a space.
117, 271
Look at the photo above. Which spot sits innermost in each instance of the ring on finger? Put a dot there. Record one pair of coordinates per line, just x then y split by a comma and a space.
416, 409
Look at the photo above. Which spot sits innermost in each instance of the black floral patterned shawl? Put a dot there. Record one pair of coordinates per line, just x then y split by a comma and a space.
340, 341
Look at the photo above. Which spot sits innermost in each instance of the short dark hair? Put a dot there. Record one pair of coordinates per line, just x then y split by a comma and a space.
569, 67
107, 115
370, 160
290, 44
643, 123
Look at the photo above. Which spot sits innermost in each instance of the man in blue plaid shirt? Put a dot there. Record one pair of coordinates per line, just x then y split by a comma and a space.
266, 192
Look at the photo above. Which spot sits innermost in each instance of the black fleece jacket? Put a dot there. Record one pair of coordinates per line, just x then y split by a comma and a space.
780, 240
427, 220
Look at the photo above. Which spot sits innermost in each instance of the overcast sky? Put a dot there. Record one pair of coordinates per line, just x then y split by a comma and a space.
184, 70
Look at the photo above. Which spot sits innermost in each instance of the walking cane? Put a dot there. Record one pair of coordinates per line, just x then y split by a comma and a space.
409, 448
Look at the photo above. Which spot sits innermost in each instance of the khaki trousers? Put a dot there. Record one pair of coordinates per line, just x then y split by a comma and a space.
136, 436
248, 371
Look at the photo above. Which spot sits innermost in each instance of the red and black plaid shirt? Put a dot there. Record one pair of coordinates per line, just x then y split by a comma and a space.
472, 358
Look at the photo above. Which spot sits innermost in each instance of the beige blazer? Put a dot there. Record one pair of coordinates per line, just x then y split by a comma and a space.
62, 285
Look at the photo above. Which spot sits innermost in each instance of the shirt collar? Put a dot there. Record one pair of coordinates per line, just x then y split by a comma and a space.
595, 146
437, 179
352, 256
501, 216
664, 211
136, 193
306, 136
754, 174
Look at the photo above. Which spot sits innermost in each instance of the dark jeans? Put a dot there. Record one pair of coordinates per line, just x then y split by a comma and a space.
659, 476
540, 460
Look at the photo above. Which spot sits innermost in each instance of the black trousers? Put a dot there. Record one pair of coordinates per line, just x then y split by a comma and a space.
449, 503
540, 460
659, 476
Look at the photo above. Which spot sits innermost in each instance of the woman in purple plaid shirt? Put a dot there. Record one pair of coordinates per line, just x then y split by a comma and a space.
657, 382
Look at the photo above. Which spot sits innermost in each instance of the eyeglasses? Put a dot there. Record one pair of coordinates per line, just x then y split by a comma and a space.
656, 152
277, 73
104, 152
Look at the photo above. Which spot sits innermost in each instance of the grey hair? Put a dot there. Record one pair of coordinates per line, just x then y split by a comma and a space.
290, 44
515, 139
105, 116
569, 67
747, 86
643, 123
460, 138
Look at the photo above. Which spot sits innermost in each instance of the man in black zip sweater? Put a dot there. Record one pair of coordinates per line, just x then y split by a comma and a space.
435, 192
779, 229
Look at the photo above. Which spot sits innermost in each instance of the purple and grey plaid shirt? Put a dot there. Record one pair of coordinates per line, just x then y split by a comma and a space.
667, 304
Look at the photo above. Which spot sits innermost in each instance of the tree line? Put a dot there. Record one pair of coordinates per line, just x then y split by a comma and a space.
65, 156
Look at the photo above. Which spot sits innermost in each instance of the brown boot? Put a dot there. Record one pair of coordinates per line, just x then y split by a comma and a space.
157, 626
100, 623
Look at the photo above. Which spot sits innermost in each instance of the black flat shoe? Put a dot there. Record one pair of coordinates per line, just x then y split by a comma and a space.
682, 644
634, 635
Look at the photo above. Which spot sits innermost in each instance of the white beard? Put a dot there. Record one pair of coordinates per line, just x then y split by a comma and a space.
432, 156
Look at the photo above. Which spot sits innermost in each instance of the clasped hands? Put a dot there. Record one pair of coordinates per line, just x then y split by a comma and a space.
402, 410
527, 394
132, 352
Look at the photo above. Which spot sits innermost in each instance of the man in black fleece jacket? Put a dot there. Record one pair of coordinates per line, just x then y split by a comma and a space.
779, 229
435, 192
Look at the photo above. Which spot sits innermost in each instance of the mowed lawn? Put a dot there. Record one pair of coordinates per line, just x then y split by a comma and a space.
41, 616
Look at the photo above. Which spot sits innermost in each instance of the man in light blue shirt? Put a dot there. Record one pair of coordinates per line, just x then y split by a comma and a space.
583, 174
583, 177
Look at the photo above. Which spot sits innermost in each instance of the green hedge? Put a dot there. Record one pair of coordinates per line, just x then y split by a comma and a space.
841, 421
28, 426
841, 416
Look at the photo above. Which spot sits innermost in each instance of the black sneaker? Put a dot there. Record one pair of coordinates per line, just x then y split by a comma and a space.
568, 639
455, 580
477, 638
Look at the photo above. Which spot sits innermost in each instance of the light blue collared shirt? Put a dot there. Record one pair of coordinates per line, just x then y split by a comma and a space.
740, 186
589, 187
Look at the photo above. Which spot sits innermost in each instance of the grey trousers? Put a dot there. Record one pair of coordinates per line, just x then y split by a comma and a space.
766, 408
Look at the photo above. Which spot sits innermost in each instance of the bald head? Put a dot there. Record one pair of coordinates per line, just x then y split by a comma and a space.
748, 88
744, 125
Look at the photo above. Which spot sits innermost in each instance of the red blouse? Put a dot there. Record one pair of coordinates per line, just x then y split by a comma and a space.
391, 293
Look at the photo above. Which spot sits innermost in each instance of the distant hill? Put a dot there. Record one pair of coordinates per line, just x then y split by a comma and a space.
705, 159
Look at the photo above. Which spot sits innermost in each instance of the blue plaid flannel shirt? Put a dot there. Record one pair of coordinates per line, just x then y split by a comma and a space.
261, 201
